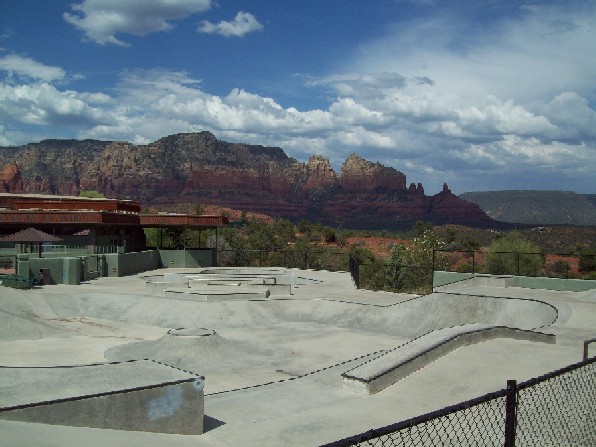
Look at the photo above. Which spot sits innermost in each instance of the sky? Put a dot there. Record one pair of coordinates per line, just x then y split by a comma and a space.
481, 94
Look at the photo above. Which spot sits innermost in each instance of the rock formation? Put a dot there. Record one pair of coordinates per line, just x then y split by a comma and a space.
199, 168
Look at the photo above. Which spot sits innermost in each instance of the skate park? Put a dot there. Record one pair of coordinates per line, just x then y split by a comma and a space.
265, 356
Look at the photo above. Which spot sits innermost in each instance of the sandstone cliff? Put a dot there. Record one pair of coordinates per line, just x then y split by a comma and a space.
199, 168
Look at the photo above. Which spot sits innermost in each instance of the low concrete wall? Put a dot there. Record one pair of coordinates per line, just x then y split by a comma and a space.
65, 270
54, 265
62, 270
168, 408
390, 367
572, 285
188, 258
72, 271
442, 278
130, 263
90, 267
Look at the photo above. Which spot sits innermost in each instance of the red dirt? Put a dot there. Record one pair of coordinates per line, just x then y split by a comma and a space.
572, 261
380, 246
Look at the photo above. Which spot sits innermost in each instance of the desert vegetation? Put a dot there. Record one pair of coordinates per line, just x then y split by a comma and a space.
401, 262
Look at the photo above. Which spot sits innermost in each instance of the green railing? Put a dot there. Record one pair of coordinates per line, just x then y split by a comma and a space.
17, 281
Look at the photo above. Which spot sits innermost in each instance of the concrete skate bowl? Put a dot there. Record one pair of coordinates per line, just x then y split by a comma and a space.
262, 341
257, 342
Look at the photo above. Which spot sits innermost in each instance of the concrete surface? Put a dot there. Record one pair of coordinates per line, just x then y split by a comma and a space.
273, 368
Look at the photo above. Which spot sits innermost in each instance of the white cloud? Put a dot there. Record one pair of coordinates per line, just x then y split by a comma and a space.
243, 23
43, 104
101, 20
537, 52
26, 67
464, 117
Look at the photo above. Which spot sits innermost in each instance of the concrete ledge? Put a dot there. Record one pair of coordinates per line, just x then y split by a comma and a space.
529, 282
235, 283
279, 275
385, 370
217, 294
120, 396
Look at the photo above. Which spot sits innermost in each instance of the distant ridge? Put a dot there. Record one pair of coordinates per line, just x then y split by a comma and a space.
537, 207
197, 168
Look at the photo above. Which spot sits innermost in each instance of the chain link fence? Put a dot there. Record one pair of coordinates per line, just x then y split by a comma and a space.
557, 409
301, 259
550, 265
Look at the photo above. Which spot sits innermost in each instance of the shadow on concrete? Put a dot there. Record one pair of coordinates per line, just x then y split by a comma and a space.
210, 423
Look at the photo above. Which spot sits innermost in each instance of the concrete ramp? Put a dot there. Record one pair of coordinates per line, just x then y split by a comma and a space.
392, 366
194, 349
137, 396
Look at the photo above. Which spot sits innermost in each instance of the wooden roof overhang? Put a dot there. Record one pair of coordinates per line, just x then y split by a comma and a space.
52, 218
45, 202
182, 221
110, 206
72, 218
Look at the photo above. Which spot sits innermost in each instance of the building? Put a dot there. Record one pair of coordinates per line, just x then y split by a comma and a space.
99, 237
93, 222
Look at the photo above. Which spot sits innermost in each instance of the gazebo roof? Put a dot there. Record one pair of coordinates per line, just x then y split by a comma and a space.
30, 235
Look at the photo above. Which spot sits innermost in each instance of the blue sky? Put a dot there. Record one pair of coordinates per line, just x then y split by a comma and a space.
481, 94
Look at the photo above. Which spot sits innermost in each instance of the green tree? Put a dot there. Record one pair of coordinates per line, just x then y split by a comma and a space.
395, 274
513, 255
91, 194
420, 259
372, 271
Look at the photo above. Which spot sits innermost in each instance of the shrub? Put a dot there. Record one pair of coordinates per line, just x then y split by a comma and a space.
512, 255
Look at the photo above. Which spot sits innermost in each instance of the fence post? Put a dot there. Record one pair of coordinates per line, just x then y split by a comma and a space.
354, 270
473, 262
510, 413
433, 259
586, 343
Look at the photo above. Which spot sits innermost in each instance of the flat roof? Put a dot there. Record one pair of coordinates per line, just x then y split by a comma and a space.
182, 220
58, 198
42, 201
84, 217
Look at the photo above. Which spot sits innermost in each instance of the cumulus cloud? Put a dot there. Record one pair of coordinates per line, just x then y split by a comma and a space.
43, 104
101, 20
243, 23
497, 111
20, 66
161, 95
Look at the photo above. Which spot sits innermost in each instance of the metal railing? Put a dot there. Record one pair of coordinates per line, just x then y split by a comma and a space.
80, 249
552, 410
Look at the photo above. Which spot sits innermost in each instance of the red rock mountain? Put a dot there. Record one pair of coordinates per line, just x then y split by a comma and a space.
199, 168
